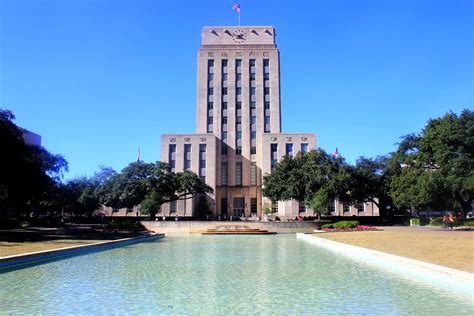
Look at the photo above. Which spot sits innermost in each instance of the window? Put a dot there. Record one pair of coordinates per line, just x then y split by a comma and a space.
238, 135
266, 63
253, 205
238, 173
238, 91
274, 155
252, 91
238, 150
302, 208
238, 66
253, 105
289, 149
210, 105
224, 120
223, 206
223, 149
173, 207
360, 207
266, 90
224, 173
202, 161
253, 140
275, 207
304, 147
267, 105
332, 205
224, 66
253, 173
346, 207
172, 156
210, 66
210, 91
187, 157
224, 135
238, 105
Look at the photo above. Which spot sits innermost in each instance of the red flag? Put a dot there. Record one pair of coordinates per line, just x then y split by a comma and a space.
336, 153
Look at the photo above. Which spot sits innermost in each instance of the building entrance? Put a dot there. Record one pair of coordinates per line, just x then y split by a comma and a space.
239, 206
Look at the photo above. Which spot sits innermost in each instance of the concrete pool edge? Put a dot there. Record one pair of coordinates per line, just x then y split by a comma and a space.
31, 257
428, 271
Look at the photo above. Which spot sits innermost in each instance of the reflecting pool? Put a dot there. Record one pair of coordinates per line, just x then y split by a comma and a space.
209, 275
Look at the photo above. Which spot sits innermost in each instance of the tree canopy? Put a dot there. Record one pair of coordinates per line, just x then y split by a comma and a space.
150, 185
27, 171
437, 166
314, 178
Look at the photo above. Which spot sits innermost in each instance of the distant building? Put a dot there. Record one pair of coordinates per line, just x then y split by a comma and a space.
238, 137
31, 138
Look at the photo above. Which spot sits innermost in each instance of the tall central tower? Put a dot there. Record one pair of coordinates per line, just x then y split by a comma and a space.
238, 100
238, 125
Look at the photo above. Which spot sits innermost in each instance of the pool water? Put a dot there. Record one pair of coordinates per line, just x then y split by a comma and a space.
209, 275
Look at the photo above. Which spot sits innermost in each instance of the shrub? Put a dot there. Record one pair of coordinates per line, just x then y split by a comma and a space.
438, 221
346, 224
327, 226
468, 222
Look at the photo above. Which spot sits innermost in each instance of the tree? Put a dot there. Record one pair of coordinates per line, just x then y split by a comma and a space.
370, 182
27, 172
150, 185
314, 178
437, 166
128, 188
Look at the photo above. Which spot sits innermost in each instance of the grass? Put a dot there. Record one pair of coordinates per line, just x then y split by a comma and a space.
16, 248
450, 249
19, 241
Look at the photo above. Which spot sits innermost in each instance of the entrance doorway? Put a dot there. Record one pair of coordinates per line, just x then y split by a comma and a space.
239, 206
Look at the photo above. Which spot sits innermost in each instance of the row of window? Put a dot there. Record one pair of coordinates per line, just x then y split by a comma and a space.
253, 110
238, 206
266, 94
238, 117
288, 152
210, 95
224, 96
238, 173
360, 206
187, 158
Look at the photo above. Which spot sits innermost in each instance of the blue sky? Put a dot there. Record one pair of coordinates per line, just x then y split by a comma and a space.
98, 78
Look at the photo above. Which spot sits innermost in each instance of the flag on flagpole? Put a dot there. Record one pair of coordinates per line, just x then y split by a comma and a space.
336, 153
138, 160
236, 8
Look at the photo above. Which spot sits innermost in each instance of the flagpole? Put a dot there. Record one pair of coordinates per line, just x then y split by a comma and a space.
239, 17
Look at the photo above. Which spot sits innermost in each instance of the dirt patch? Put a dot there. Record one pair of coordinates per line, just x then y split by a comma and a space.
451, 249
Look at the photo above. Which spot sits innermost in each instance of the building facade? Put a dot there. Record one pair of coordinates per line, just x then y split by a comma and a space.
238, 125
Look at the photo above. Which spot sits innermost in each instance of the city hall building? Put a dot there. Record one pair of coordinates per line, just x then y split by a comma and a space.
238, 135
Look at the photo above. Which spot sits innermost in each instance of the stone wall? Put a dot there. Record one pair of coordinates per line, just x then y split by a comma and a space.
196, 227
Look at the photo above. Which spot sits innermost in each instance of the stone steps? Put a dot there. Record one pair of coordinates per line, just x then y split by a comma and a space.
237, 231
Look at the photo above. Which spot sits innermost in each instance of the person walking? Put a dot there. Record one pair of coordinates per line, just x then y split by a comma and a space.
445, 222
451, 221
